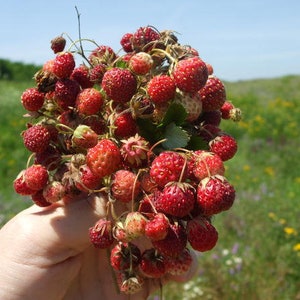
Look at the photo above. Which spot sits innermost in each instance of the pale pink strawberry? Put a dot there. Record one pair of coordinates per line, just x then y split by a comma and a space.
214, 195
140, 63
202, 235
168, 166
119, 84
101, 234
157, 228
125, 186
134, 225
147, 183
191, 103
135, 150
36, 177
224, 145
125, 256
152, 264
190, 74
161, 89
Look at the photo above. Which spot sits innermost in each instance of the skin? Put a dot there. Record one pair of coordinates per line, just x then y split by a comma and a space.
46, 254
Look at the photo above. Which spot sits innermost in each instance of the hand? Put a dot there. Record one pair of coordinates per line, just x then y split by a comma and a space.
46, 254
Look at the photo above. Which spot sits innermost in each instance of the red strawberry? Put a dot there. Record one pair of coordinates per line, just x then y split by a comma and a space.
119, 84
176, 199
143, 36
134, 225
89, 101
21, 187
58, 44
147, 183
174, 242
102, 54
87, 180
161, 89
129, 283
104, 158
32, 99
124, 125
229, 111
36, 177
126, 42
65, 93
81, 75
190, 74
36, 138
125, 256
152, 264
63, 65
50, 158
224, 145
210, 117
84, 137
157, 228
208, 132
214, 195
125, 187
140, 63
134, 150
101, 234
97, 73
213, 94
180, 264
202, 235
168, 166
205, 164
95, 122
39, 199
54, 191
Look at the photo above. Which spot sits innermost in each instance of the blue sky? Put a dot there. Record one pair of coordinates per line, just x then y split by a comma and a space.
241, 39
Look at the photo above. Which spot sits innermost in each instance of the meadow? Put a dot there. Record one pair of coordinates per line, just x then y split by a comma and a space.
258, 253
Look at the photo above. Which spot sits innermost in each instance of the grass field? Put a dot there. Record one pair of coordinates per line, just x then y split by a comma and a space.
258, 253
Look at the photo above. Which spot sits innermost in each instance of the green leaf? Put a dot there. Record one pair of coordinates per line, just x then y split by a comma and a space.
148, 130
197, 143
176, 113
175, 137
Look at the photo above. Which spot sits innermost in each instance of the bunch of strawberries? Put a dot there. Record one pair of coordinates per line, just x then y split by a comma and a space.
142, 129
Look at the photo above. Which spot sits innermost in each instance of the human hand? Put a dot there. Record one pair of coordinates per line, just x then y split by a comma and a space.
46, 254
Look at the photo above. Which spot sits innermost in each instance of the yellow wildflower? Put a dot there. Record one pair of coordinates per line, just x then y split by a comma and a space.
296, 247
290, 231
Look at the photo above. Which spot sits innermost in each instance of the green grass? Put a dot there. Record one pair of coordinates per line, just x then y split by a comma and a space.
258, 252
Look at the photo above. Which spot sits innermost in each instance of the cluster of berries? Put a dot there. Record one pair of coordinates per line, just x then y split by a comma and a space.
143, 129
